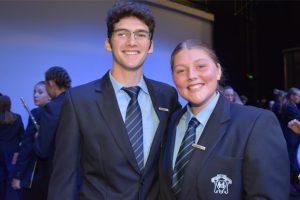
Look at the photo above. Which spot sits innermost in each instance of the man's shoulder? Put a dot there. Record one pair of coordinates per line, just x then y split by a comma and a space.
158, 84
87, 87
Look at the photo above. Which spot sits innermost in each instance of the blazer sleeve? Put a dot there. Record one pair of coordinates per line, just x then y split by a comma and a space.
19, 134
64, 177
26, 154
292, 112
266, 167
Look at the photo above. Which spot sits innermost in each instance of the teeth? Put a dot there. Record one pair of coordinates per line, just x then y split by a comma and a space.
195, 86
131, 53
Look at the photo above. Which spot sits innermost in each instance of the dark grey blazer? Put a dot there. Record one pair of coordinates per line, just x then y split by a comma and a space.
245, 157
91, 126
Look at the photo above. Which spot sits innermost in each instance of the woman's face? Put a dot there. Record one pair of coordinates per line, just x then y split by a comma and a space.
196, 77
40, 95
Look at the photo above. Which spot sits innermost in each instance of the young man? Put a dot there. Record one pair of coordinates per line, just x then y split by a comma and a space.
116, 137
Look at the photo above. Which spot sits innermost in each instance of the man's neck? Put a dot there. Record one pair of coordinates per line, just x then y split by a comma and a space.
127, 78
59, 91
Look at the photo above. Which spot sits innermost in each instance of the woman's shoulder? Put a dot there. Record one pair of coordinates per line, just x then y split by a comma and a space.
249, 111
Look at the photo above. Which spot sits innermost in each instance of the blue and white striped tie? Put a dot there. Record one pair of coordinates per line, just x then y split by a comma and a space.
184, 155
134, 124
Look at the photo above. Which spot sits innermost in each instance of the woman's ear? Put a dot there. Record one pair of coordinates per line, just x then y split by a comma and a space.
219, 71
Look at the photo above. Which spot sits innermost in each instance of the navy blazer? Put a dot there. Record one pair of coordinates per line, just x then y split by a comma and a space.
44, 144
290, 112
91, 129
10, 136
243, 156
28, 159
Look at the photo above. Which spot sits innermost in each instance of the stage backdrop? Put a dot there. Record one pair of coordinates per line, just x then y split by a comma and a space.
35, 35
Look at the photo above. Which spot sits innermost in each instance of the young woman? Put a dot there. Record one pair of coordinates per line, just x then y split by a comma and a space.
31, 171
216, 149
11, 131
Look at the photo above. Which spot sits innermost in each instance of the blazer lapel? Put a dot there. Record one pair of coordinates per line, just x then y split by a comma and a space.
154, 94
212, 133
159, 107
109, 108
169, 151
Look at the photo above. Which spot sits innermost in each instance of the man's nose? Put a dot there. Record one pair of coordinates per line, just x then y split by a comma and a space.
132, 39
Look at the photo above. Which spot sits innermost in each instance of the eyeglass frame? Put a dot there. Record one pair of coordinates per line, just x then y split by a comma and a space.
127, 34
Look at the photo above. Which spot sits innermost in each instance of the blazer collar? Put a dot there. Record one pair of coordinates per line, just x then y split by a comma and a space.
171, 134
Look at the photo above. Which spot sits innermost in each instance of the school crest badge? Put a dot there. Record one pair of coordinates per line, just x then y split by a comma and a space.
221, 184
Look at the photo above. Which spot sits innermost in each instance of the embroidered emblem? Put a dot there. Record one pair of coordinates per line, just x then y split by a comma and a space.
221, 182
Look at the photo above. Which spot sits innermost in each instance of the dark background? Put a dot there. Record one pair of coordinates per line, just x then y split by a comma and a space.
250, 38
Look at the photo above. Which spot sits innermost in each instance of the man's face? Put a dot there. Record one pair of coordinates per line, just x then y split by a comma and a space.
130, 43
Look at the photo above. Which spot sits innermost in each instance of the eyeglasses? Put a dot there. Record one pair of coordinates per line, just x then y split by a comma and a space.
124, 34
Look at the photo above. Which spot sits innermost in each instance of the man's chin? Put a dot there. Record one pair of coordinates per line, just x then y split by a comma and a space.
133, 68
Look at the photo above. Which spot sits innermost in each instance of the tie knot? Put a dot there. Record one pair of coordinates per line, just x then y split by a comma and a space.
194, 123
132, 91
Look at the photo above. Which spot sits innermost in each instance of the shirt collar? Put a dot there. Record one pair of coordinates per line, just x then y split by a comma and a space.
204, 114
118, 86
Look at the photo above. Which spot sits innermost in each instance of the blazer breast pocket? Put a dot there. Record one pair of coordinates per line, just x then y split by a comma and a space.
220, 178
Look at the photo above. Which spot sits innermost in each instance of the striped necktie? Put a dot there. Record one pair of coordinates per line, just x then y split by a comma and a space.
184, 155
134, 124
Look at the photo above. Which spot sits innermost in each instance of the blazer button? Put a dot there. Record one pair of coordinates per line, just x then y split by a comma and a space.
142, 181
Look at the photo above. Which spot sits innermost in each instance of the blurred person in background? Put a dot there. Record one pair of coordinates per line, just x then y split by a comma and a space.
290, 112
31, 171
279, 100
231, 95
11, 132
58, 82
